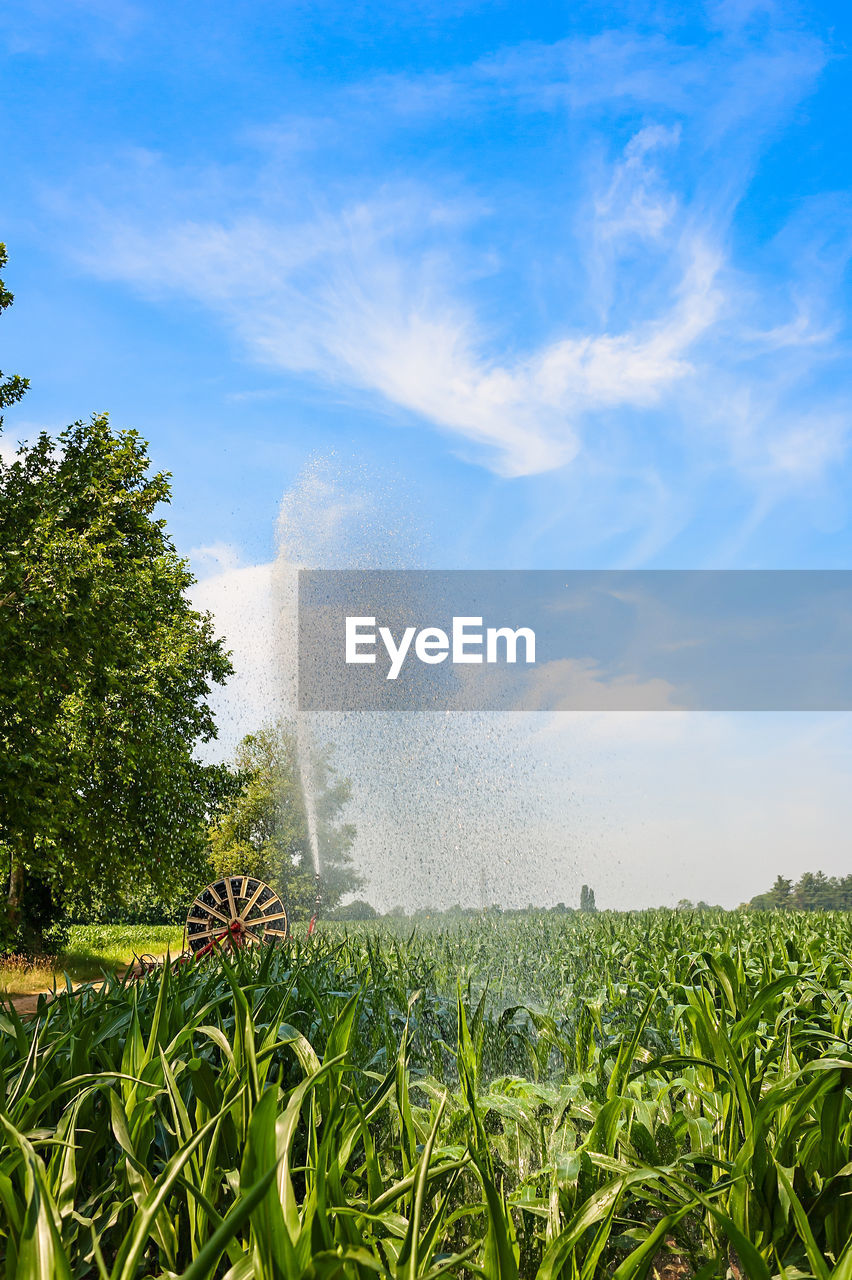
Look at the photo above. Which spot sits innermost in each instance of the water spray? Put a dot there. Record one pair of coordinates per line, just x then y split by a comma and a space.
317, 904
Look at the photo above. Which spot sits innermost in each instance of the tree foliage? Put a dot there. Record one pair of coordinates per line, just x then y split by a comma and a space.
12, 387
587, 899
264, 830
358, 910
813, 891
104, 681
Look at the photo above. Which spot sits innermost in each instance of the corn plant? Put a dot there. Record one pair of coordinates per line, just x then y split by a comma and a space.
547, 1098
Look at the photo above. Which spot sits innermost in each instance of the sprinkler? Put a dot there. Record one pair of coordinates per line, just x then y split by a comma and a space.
317, 904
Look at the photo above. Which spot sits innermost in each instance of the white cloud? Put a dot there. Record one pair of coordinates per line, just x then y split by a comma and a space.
342, 299
577, 684
16, 432
637, 201
243, 606
215, 558
808, 447
407, 292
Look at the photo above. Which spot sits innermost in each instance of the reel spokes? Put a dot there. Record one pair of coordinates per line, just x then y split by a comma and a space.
233, 912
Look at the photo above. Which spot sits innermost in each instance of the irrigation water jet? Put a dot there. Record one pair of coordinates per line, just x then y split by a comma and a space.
441, 804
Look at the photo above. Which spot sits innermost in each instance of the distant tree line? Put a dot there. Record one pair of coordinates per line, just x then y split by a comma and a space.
359, 909
814, 891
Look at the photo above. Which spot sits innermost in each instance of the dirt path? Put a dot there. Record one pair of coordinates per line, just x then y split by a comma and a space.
26, 1003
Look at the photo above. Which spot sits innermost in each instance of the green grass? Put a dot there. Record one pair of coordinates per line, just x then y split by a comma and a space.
115, 944
579, 1097
92, 948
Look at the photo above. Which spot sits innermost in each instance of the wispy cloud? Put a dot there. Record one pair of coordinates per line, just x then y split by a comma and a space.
36, 27
405, 291
216, 558
341, 300
25, 432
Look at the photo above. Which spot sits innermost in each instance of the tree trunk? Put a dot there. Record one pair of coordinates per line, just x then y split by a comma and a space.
16, 888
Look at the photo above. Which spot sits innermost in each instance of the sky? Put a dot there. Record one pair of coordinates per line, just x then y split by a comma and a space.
561, 285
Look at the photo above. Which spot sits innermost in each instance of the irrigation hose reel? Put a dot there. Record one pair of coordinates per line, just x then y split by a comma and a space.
239, 911
234, 912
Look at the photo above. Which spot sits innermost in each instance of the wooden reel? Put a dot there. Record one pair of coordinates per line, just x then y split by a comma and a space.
234, 911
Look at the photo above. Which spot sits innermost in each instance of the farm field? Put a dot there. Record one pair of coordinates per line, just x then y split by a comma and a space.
545, 1096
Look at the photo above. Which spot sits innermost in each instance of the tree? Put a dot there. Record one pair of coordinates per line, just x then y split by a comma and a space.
844, 893
356, 910
103, 685
263, 831
587, 899
814, 891
780, 895
12, 388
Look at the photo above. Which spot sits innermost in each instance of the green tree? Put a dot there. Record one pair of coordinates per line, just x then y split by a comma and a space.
780, 895
844, 893
356, 910
103, 685
587, 899
12, 388
263, 831
814, 892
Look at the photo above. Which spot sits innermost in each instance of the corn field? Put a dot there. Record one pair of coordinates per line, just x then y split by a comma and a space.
559, 1098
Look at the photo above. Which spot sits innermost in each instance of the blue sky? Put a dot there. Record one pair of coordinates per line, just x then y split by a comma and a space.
575, 274
492, 286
